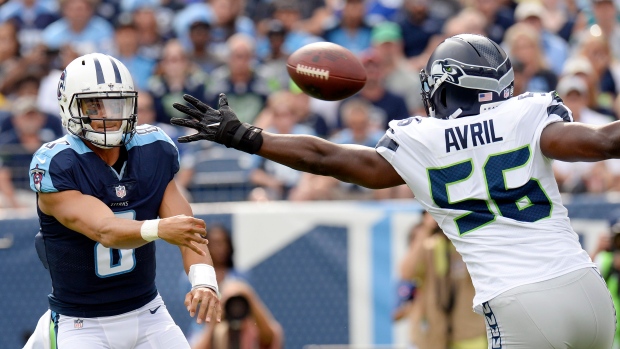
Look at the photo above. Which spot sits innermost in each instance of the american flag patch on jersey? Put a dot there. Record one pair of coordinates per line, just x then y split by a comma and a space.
485, 97
78, 323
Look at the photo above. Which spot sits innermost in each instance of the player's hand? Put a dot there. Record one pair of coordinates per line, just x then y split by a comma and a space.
205, 301
185, 231
221, 125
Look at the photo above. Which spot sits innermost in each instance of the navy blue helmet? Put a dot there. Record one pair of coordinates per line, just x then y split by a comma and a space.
465, 75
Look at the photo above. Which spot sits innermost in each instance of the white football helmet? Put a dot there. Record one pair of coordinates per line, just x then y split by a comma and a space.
98, 102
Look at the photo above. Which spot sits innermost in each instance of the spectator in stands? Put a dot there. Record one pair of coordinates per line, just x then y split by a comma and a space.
400, 79
126, 37
358, 129
523, 46
16, 148
554, 48
30, 17
468, 20
578, 177
418, 26
81, 28
151, 38
275, 179
289, 13
498, 18
580, 66
200, 54
305, 114
273, 62
606, 17
9, 55
175, 76
387, 105
607, 72
239, 79
48, 91
28, 87
225, 17
311, 14
228, 20
440, 316
350, 29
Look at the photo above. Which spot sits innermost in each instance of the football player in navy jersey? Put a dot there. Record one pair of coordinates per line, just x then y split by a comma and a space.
481, 165
105, 192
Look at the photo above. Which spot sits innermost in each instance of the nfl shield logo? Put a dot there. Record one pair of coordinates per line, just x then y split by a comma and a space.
78, 323
120, 191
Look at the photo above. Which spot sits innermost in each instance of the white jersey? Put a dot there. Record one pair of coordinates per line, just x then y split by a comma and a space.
486, 182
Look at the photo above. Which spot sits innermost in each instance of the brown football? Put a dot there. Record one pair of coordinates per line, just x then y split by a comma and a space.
326, 71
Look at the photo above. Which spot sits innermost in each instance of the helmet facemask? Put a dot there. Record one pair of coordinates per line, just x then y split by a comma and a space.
105, 119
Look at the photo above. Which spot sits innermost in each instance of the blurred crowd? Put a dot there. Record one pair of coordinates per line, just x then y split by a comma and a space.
240, 47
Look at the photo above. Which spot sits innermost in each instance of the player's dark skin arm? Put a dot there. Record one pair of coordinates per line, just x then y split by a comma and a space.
573, 141
349, 163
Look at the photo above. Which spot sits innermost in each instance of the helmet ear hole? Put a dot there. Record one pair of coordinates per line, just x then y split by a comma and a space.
442, 97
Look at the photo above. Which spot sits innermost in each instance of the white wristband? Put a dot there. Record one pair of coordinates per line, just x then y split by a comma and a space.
203, 275
149, 230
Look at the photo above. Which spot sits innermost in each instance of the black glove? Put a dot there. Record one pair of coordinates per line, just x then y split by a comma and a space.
221, 126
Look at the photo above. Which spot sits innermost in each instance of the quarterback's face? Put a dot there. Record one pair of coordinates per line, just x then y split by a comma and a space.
104, 113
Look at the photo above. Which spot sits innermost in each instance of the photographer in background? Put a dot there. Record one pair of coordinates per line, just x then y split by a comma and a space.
436, 292
246, 321
607, 258
246, 324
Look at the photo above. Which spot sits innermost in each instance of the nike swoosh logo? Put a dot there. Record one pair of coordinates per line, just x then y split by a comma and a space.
154, 310
42, 161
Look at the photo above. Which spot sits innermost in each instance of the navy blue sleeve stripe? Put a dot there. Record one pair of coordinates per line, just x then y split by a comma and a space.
117, 73
560, 110
100, 78
387, 142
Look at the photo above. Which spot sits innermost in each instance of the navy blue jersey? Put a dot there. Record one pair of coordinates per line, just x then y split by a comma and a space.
88, 279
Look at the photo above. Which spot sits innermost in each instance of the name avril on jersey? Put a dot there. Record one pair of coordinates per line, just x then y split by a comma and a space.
471, 135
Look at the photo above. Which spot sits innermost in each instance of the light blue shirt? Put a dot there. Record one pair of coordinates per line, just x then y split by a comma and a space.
97, 36
555, 50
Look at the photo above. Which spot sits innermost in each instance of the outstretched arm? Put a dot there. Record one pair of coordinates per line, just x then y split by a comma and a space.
347, 162
580, 142
350, 163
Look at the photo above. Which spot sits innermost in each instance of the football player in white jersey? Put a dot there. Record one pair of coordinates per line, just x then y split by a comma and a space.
481, 165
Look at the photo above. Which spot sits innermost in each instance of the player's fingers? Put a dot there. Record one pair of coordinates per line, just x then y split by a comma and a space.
188, 301
212, 310
187, 110
199, 222
185, 122
194, 304
197, 103
191, 138
194, 247
204, 309
218, 311
223, 101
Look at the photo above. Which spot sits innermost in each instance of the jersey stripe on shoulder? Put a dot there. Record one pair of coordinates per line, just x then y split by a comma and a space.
558, 108
147, 134
388, 143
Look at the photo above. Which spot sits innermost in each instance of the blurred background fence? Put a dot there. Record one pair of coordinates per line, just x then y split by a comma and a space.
324, 269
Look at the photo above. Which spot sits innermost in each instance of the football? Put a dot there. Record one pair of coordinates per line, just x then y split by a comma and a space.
326, 71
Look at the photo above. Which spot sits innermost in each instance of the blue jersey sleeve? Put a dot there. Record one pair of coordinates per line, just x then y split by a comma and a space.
51, 168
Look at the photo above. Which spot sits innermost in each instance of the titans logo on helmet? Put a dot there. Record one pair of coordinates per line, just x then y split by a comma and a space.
61, 84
